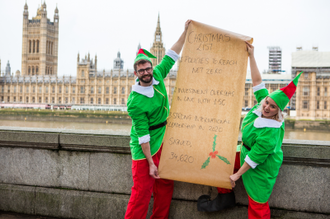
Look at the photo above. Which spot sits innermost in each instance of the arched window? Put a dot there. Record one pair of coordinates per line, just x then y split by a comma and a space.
29, 70
34, 46
51, 48
32, 70
91, 100
46, 71
99, 101
51, 70
37, 69
37, 46
29, 46
46, 47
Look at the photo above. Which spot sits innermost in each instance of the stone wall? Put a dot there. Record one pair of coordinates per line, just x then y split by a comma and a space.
80, 175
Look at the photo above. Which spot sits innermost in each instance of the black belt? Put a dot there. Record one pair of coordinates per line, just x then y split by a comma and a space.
157, 126
247, 147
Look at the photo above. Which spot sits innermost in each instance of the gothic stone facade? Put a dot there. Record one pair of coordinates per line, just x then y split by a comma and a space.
312, 100
39, 43
90, 86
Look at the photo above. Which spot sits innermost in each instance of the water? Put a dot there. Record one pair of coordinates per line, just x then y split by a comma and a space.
117, 129
124, 129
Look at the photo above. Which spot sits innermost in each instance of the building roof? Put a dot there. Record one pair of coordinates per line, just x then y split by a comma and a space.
310, 58
271, 78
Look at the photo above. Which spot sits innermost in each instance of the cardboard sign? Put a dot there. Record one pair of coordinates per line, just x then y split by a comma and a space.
203, 125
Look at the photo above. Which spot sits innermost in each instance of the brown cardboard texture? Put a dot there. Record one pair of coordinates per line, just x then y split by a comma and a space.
203, 125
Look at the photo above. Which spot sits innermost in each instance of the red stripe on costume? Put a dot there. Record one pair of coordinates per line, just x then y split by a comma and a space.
141, 51
289, 89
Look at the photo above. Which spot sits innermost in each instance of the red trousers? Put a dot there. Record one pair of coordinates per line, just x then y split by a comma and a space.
143, 186
255, 210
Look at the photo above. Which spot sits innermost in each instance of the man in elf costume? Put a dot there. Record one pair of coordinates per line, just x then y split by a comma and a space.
261, 155
149, 108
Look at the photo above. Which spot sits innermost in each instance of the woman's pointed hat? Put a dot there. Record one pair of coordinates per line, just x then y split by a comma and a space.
144, 54
282, 96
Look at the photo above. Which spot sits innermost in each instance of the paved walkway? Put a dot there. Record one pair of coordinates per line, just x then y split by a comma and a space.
9, 215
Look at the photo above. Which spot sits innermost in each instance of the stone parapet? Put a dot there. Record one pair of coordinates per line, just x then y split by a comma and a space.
85, 175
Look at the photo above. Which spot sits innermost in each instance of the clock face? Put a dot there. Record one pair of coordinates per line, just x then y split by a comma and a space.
157, 38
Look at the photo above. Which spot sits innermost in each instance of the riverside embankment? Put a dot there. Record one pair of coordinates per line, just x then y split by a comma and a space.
118, 117
88, 175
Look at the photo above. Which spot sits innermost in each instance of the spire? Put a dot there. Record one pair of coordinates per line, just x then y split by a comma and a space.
157, 47
26, 11
158, 24
95, 62
158, 32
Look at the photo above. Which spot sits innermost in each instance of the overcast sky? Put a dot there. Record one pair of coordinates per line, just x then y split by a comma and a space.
106, 27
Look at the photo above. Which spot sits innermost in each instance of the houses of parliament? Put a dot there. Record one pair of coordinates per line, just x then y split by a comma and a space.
38, 81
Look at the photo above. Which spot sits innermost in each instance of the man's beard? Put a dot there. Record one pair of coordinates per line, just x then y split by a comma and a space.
146, 81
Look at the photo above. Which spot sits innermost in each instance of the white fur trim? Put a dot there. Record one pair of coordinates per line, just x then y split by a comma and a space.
251, 163
264, 122
173, 55
259, 87
146, 91
144, 139
257, 112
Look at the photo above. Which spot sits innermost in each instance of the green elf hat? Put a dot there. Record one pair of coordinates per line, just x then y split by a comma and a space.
283, 95
144, 54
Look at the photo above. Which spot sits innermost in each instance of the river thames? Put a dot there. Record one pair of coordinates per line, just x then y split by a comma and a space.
124, 129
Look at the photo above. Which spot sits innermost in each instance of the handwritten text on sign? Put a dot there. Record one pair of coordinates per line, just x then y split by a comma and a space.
202, 130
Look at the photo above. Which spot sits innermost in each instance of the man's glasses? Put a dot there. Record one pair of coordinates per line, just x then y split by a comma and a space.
148, 70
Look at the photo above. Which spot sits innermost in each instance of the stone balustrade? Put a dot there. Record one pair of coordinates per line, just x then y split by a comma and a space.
88, 175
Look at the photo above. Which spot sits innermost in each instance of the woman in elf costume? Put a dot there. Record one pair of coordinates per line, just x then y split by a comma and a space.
262, 136
261, 155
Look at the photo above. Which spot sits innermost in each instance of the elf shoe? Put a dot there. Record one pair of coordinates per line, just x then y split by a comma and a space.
222, 201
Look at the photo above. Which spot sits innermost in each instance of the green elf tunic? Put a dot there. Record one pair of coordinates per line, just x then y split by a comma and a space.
148, 106
264, 137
